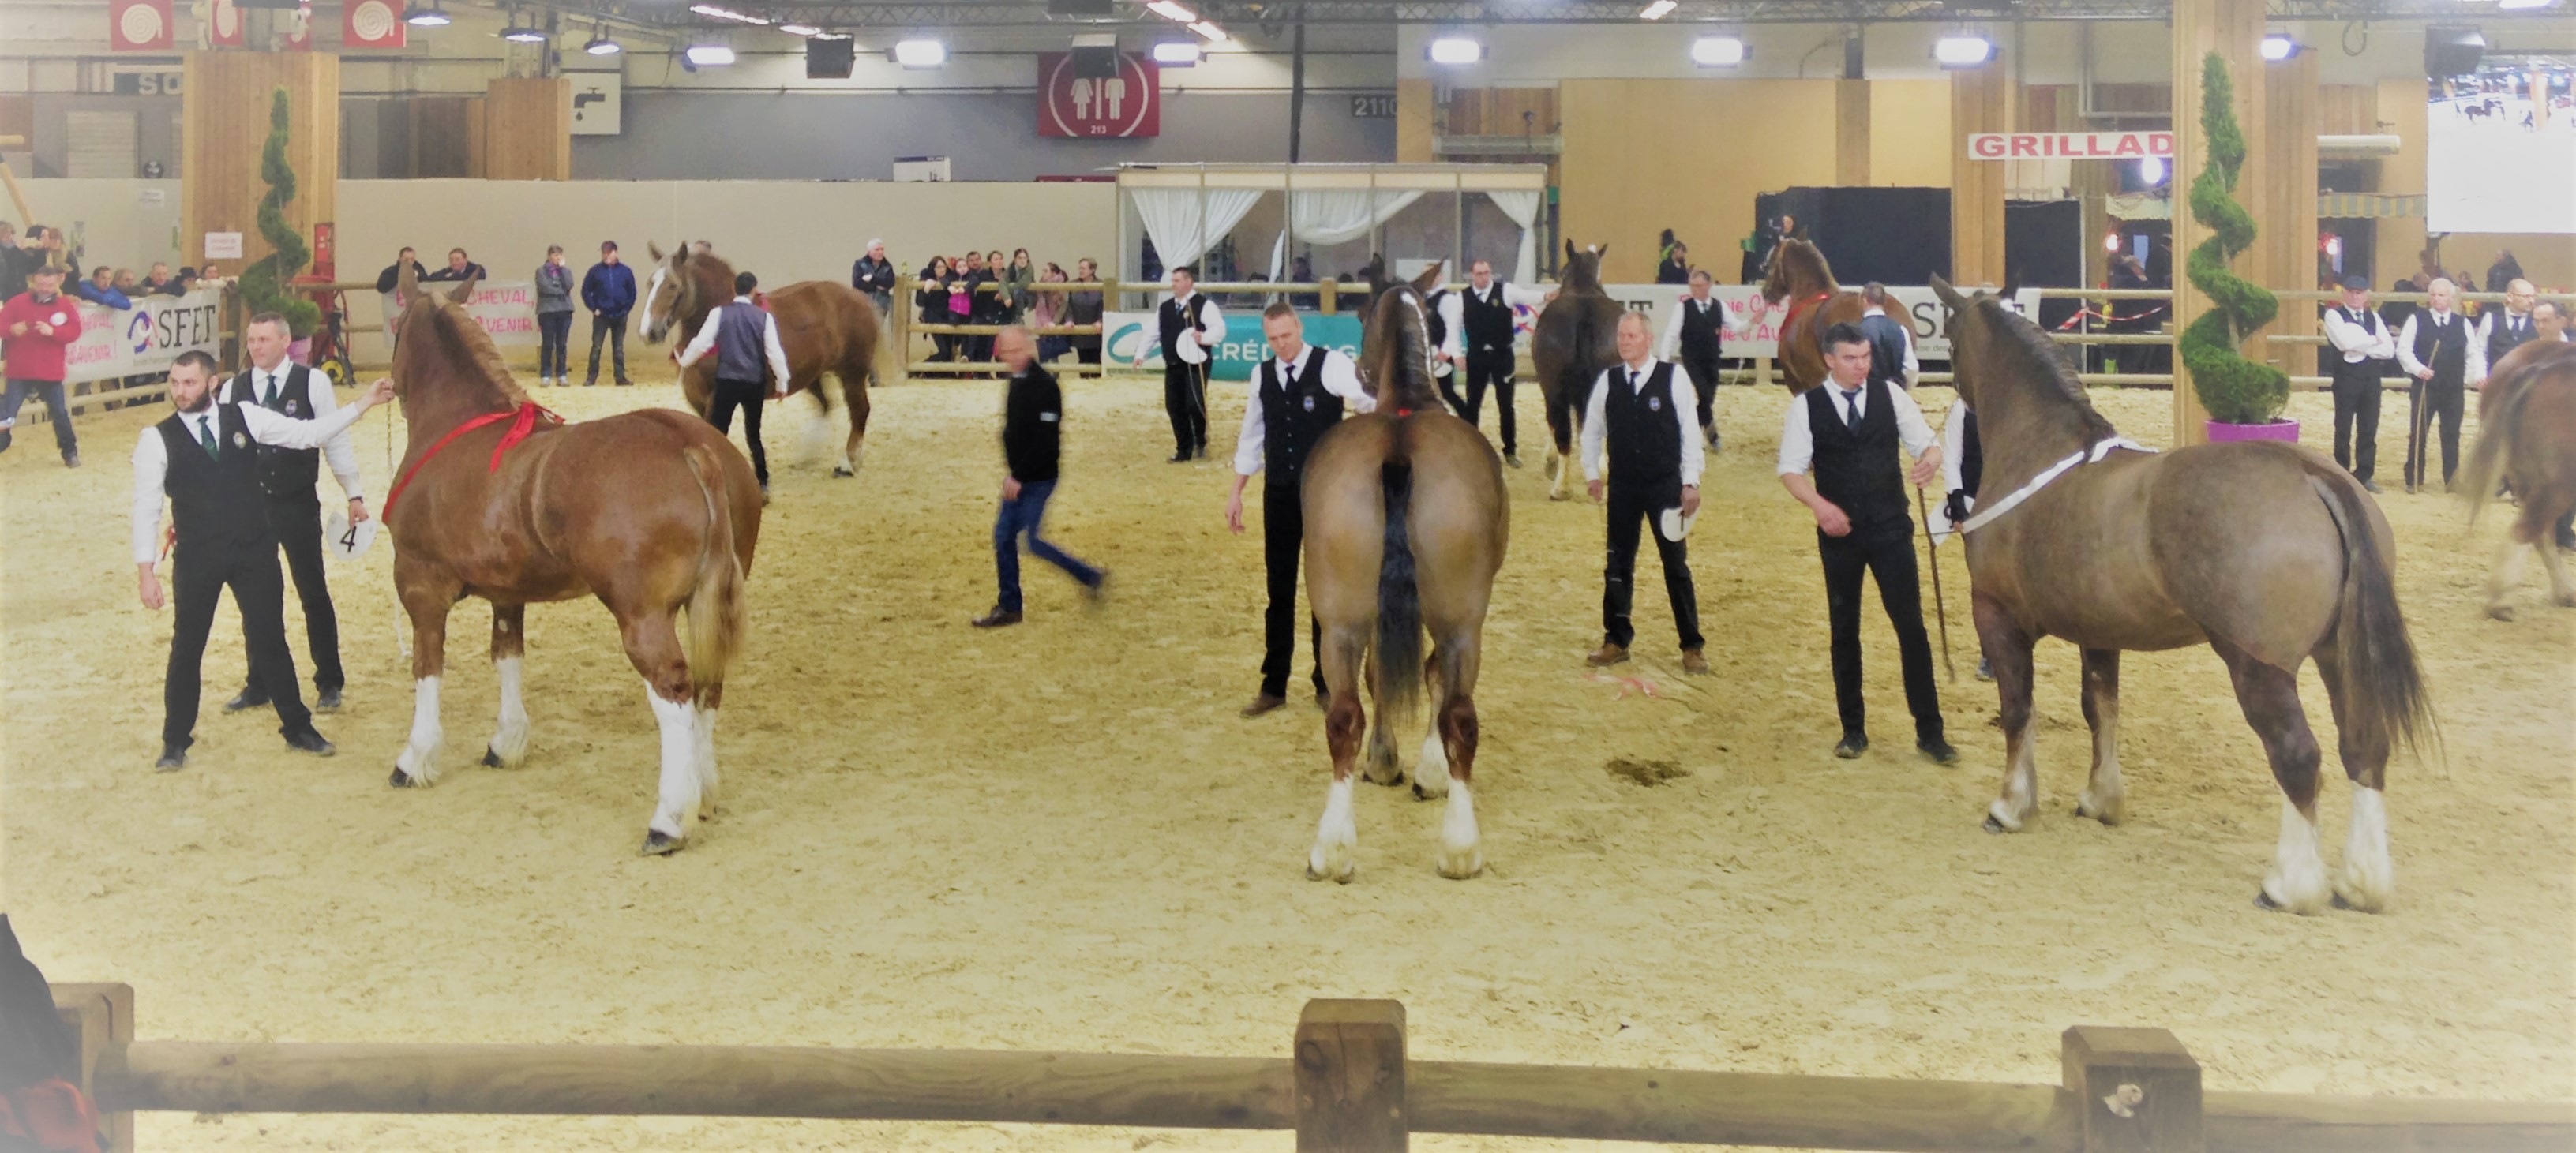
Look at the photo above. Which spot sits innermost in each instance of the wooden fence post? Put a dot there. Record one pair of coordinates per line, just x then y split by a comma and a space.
1330, 295
1350, 1077
2137, 1091
103, 1017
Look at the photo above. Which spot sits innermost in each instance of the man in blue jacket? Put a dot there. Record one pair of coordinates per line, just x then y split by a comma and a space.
608, 290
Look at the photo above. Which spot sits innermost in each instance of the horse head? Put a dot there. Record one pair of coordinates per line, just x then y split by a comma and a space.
1395, 342
1795, 269
1581, 271
2009, 372
686, 285
445, 366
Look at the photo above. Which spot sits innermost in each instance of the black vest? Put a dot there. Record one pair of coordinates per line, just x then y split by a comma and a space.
1439, 324
1488, 322
1703, 329
1856, 467
1293, 419
2367, 368
1644, 432
1173, 324
283, 472
214, 503
2503, 338
1886, 347
2443, 348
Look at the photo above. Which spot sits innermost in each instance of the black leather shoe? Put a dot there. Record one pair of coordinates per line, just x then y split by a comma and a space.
327, 700
1938, 751
1262, 704
1177, 458
309, 741
173, 759
995, 619
250, 698
1852, 746
2371, 486
1098, 589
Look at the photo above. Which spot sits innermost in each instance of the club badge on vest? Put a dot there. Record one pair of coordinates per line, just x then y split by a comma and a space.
240, 440
1654, 404
1310, 402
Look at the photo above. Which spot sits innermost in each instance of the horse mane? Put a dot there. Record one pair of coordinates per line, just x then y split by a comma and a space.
455, 340
2020, 349
1799, 258
1409, 384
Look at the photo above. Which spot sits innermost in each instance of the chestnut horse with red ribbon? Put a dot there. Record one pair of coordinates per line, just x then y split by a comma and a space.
1799, 275
652, 512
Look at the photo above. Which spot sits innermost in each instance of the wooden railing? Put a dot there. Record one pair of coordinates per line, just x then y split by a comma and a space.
1346, 1086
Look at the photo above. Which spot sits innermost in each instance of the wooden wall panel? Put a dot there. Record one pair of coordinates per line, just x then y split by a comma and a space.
1689, 155
224, 113
1415, 117
1981, 100
2400, 240
2282, 184
1502, 112
1851, 133
527, 129
1909, 133
2347, 109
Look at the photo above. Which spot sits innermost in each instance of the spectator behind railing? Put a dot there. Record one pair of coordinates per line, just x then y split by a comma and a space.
99, 287
1047, 312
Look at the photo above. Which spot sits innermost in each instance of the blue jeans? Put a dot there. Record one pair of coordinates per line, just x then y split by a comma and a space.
1022, 516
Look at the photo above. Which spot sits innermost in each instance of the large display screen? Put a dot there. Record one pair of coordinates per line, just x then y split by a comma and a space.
2501, 148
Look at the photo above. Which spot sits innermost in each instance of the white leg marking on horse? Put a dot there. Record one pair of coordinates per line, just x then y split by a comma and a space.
1431, 773
2369, 879
510, 736
2297, 881
1337, 838
703, 751
2021, 782
679, 795
2501, 582
2104, 796
1459, 857
419, 759
2562, 589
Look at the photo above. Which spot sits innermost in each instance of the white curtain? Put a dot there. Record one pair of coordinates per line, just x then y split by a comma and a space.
1522, 207
1343, 214
1172, 219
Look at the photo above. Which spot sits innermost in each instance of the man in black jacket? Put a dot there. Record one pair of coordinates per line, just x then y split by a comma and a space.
874, 275
1032, 438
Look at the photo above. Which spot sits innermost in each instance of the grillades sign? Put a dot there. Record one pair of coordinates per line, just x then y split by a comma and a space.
2069, 145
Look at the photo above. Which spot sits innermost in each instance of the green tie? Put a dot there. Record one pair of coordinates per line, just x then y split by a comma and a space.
206, 436
271, 402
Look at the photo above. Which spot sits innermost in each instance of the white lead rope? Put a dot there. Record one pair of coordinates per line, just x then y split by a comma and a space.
2009, 501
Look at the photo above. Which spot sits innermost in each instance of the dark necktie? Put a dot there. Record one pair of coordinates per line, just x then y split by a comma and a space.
1288, 379
271, 402
206, 437
1851, 409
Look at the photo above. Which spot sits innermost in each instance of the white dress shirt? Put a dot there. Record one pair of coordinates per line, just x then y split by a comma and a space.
152, 456
1341, 378
1913, 368
336, 451
1684, 399
776, 352
1670, 344
2357, 340
1798, 438
1453, 328
1208, 329
2477, 360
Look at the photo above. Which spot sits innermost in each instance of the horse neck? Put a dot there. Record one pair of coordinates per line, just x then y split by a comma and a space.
437, 412
2023, 428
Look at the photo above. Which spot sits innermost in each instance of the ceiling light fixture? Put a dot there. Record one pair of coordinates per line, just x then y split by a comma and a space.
516, 34
1718, 51
2277, 46
1658, 10
708, 55
1963, 50
723, 13
1454, 50
599, 44
920, 53
430, 17
800, 29
1177, 53
1172, 12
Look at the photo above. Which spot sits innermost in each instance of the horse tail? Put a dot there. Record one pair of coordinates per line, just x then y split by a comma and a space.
2495, 434
716, 608
2382, 683
1399, 593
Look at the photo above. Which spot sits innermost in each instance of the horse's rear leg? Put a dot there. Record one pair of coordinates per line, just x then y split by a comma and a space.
509, 744
1453, 733
2369, 879
426, 600
1336, 850
2269, 697
1381, 767
1560, 450
2508, 573
854, 396
703, 746
2103, 797
653, 646
2008, 647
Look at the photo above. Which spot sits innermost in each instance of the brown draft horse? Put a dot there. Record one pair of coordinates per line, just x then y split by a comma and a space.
2265, 551
649, 511
2527, 423
824, 325
1576, 339
1799, 275
1406, 525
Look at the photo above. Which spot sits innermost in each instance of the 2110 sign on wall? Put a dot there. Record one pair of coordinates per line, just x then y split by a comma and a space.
1126, 105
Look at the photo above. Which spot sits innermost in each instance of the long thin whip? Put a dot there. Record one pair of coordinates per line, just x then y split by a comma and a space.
1940, 603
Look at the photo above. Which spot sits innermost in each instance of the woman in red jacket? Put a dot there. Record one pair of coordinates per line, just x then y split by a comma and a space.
38, 324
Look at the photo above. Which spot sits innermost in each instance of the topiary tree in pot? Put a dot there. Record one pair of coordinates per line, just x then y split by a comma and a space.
2234, 390
263, 284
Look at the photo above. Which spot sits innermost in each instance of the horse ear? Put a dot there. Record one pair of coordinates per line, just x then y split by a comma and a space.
1949, 296
406, 283
1570, 252
1430, 278
654, 250
464, 289
1801, 233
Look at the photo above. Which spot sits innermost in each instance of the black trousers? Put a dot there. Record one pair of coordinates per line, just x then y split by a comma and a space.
1283, 534
554, 338
1450, 383
1185, 401
260, 593
1630, 511
1086, 350
2356, 422
1886, 554
612, 330
2429, 401
298, 525
1703, 374
747, 395
1492, 367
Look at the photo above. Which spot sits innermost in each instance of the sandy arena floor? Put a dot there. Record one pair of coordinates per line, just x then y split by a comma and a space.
1060, 836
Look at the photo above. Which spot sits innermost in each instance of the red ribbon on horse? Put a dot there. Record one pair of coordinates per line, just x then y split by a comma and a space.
523, 421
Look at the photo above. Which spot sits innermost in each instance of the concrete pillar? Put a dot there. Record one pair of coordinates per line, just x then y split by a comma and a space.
2285, 202
224, 111
2233, 29
1981, 100
527, 128
1851, 133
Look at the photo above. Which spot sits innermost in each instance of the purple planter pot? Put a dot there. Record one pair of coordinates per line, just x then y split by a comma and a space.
2221, 432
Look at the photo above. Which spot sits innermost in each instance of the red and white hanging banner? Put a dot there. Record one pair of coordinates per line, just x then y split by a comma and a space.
2069, 145
220, 24
139, 25
371, 24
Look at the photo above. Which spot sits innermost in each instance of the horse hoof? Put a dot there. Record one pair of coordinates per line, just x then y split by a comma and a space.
660, 844
2500, 612
2264, 901
491, 757
842, 470
403, 780
1994, 826
1460, 869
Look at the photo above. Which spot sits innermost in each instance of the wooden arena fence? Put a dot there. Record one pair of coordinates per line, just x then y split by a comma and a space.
1345, 1087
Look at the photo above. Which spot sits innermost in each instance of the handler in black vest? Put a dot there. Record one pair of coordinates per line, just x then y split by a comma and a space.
2505, 329
286, 477
744, 337
1635, 413
1191, 326
1847, 431
2438, 350
1697, 333
204, 458
2364, 352
1480, 334
1297, 396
